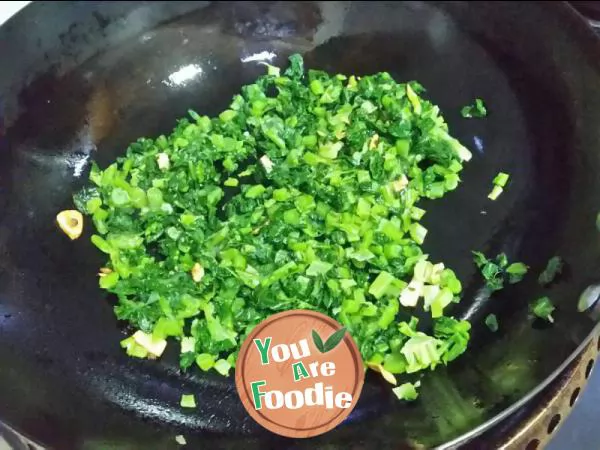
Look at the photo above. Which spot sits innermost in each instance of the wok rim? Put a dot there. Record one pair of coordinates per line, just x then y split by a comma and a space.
591, 41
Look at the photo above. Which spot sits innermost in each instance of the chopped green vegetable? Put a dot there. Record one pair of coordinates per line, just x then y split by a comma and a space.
407, 391
497, 271
492, 322
475, 110
223, 367
303, 194
516, 272
188, 401
379, 287
455, 336
496, 191
421, 352
543, 308
501, 179
553, 269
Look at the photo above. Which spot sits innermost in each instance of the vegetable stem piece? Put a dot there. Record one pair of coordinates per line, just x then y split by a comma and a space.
475, 110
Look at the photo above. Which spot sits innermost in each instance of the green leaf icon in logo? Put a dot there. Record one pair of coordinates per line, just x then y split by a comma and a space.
318, 341
331, 342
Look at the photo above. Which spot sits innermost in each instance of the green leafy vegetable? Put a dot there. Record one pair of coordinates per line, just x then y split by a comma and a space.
500, 181
497, 271
496, 191
475, 110
407, 391
303, 194
553, 269
492, 322
455, 336
516, 272
188, 401
543, 308
421, 352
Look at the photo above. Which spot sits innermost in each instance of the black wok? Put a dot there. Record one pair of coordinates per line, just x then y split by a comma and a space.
80, 80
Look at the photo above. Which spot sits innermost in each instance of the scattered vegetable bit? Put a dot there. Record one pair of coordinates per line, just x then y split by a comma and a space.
387, 376
104, 271
543, 308
223, 366
497, 271
455, 336
133, 349
162, 159
154, 346
188, 344
188, 401
516, 272
400, 183
421, 351
499, 183
501, 179
496, 191
197, 272
266, 163
553, 269
492, 322
407, 391
330, 174
475, 110
71, 222
414, 99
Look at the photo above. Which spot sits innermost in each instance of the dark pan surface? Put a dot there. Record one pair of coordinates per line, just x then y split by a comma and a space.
81, 80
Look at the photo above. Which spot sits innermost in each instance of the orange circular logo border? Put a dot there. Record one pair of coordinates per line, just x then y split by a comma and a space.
242, 384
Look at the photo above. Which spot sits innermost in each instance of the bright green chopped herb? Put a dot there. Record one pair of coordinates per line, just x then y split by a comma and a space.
205, 361
476, 110
455, 336
497, 271
501, 179
231, 182
421, 352
496, 191
516, 272
543, 308
407, 391
223, 367
492, 322
188, 401
552, 270
303, 194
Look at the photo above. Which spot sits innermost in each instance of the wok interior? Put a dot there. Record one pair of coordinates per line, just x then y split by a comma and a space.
157, 61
